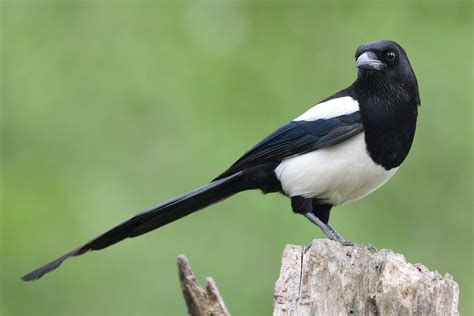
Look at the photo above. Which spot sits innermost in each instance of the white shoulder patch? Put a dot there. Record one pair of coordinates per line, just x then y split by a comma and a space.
329, 109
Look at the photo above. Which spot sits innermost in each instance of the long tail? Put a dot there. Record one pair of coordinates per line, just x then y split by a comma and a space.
152, 218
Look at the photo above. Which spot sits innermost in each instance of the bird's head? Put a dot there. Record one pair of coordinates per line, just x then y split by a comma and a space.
386, 61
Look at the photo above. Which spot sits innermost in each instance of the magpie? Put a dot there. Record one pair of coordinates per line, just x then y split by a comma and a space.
338, 151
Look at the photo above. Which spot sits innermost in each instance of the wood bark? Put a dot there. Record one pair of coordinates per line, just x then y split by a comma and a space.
327, 278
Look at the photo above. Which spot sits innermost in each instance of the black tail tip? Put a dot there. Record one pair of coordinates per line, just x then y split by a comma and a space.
30, 277
38, 273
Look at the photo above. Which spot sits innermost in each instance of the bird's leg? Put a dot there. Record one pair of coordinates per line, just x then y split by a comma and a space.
322, 212
305, 207
326, 228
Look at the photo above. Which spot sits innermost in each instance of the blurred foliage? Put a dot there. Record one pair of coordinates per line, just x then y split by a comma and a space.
109, 107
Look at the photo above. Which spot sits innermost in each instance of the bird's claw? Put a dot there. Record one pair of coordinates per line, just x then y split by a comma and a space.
368, 246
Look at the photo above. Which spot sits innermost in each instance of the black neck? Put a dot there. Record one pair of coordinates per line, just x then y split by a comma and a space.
389, 112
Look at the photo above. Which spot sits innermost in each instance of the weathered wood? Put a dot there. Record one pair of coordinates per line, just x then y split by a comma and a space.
200, 302
329, 279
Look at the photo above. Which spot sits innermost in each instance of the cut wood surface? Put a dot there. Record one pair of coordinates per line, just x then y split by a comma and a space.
327, 278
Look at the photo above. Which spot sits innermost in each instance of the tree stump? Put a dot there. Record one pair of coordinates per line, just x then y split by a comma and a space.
327, 278
330, 279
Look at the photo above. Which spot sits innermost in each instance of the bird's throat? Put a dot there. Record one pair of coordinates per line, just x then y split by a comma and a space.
389, 116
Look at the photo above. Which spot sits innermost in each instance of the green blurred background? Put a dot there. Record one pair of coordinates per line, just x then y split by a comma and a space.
109, 107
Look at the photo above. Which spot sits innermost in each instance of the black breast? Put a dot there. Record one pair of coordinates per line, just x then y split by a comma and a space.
389, 113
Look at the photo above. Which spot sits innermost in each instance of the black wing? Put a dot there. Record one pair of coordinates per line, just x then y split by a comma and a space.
299, 137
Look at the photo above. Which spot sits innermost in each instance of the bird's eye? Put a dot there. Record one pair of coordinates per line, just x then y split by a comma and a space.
390, 55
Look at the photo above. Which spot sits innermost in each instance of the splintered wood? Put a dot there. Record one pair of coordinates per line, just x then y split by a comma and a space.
330, 279
200, 302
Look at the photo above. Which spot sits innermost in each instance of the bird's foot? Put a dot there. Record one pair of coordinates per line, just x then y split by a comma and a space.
368, 246
347, 243
333, 235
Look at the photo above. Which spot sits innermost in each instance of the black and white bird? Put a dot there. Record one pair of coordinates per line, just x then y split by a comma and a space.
338, 151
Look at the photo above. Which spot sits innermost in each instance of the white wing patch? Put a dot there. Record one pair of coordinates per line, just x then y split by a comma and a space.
329, 109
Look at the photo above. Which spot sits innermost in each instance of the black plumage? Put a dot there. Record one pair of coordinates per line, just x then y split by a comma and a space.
388, 104
299, 137
381, 104
152, 218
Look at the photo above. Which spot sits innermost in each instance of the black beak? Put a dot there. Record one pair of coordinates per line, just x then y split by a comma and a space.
369, 61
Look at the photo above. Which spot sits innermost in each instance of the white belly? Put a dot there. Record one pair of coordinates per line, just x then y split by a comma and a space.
334, 175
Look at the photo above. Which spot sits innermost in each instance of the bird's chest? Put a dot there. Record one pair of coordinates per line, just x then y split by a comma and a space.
334, 175
389, 125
